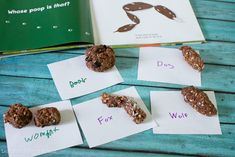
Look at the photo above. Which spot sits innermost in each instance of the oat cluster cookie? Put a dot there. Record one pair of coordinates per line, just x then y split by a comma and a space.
192, 57
113, 101
47, 116
134, 111
100, 58
199, 101
18, 116
128, 104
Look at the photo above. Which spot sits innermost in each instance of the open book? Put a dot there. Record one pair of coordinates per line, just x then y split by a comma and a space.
28, 26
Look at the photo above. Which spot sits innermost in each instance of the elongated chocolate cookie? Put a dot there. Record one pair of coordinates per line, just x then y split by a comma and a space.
192, 57
100, 58
113, 101
18, 116
47, 116
199, 100
134, 111
129, 105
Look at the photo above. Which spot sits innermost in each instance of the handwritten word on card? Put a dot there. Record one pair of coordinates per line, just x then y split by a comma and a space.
101, 124
73, 79
104, 120
78, 82
166, 65
175, 116
32, 141
42, 134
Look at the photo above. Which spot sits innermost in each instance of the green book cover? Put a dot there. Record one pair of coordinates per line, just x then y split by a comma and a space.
30, 24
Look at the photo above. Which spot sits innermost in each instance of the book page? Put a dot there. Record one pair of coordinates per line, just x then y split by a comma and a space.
127, 22
28, 25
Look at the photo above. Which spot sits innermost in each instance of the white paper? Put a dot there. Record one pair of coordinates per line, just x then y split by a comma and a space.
101, 124
73, 79
31, 140
175, 116
153, 27
166, 65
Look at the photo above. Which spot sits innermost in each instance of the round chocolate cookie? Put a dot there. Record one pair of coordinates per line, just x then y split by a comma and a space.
100, 58
47, 116
18, 116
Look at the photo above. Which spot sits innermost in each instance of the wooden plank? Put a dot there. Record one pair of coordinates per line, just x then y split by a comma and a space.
224, 1
188, 144
211, 52
209, 145
86, 152
213, 9
220, 78
35, 66
146, 141
218, 30
33, 92
17, 89
206, 145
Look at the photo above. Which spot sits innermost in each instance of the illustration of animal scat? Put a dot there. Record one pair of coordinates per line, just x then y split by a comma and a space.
133, 18
126, 28
165, 11
136, 6
129, 27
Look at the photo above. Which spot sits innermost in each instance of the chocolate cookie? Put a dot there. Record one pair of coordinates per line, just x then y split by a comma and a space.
100, 58
129, 105
18, 116
113, 101
192, 57
134, 111
199, 101
47, 116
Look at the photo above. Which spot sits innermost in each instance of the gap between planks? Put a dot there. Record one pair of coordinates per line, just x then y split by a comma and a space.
131, 57
206, 18
220, 1
127, 151
129, 84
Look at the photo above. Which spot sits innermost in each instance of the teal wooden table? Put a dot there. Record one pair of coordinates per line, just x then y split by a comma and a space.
26, 79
